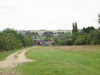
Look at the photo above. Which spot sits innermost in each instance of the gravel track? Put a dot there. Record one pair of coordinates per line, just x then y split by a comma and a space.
15, 59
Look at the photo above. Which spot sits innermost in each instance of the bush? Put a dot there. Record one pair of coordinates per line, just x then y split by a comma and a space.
10, 40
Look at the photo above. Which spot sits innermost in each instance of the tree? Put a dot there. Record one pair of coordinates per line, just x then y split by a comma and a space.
74, 33
10, 40
37, 34
88, 29
95, 37
99, 19
33, 33
74, 36
75, 29
91, 38
27, 33
46, 33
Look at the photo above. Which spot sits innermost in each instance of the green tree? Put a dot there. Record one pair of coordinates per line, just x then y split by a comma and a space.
33, 33
10, 40
92, 38
99, 18
27, 33
95, 37
37, 34
88, 29
75, 29
99, 21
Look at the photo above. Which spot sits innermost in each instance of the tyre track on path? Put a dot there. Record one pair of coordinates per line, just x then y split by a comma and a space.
15, 59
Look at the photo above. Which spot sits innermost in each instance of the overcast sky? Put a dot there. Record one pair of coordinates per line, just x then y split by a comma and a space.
48, 14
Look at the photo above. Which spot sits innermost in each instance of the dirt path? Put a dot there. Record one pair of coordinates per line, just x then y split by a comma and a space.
15, 59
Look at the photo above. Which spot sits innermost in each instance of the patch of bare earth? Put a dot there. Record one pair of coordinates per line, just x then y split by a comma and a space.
13, 60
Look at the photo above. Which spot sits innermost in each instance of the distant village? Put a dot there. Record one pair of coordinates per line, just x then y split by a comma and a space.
37, 33
41, 32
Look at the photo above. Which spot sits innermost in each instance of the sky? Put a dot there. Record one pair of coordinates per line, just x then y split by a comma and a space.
48, 14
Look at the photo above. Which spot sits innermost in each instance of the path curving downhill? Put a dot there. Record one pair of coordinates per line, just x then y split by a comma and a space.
15, 59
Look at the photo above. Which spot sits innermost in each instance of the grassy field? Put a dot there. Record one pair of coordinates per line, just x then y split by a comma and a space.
62, 60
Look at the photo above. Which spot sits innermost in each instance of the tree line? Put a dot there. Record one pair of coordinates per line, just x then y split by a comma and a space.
10, 40
86, 36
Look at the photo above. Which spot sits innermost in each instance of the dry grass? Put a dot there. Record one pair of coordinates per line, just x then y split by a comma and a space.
79, 48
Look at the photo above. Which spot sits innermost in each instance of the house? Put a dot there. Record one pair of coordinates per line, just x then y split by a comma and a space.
43, 43
39, 42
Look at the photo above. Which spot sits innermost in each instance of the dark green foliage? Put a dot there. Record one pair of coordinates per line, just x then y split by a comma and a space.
88, 29
55, 41
33, 33
26, 40
37, 34
92, 38
81, 33
27, 33
74, 36
48, 32
99, 28
74, 28
48, 36
95, 35
87, 36
10, 40
30, 33
74, 33
63, 39
82, 39
99, 18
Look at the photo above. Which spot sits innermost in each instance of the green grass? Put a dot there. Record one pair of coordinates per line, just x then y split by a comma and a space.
62, 60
